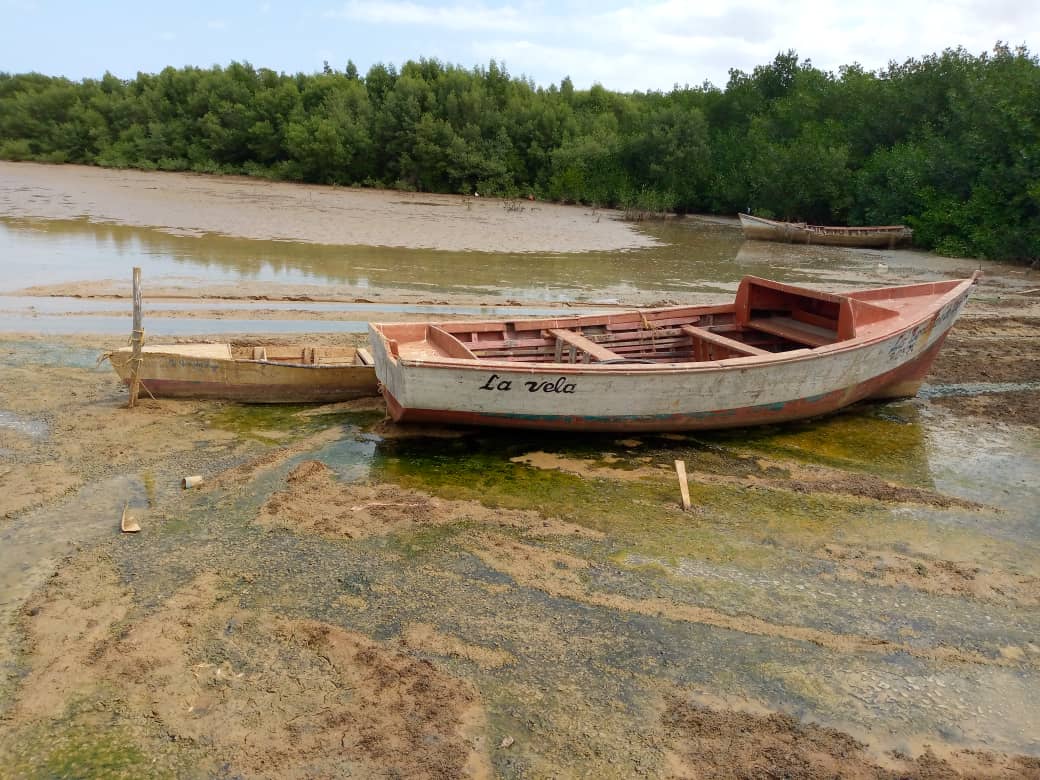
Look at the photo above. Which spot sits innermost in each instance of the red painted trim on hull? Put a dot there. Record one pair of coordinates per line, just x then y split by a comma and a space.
907, 376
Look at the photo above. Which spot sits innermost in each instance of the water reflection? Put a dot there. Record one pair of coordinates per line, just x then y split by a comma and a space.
695, 256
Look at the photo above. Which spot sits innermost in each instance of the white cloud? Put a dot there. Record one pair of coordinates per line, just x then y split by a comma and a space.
653, 44
469, 16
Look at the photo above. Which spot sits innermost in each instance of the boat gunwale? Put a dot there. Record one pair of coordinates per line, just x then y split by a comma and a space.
155, 351
749, 361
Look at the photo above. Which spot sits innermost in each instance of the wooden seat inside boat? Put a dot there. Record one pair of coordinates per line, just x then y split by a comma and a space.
799, 317
708, 345
589, 348
789, 328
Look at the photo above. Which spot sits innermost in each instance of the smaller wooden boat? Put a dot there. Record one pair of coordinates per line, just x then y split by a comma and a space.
880, 236
251, 374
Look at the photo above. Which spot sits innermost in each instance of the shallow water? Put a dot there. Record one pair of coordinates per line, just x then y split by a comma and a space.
694, 257
18, 423
65, 325
62, 315
29, 305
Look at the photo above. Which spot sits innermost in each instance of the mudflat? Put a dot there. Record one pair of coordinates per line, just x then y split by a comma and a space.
854, 596
194, 204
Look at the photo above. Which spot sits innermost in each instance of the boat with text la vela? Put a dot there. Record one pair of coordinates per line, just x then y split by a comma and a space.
776, 352
876, 236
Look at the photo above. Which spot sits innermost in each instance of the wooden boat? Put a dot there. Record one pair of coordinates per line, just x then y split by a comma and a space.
251, 374
776, 352
800, 233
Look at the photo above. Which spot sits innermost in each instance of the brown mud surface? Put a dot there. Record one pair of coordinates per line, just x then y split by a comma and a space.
194, 678
934, 576
992, 350
270, 696
196, 204
86, 435
732, 744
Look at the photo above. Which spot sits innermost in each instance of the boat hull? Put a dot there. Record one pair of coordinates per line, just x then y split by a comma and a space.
758, 229
729, 393
903, 381
172, 375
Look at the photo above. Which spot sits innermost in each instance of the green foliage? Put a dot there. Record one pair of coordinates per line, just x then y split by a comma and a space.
949, 144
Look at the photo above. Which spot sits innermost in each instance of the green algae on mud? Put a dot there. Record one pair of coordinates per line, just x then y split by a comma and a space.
886, 440
732, 523
277, 423
266, 423
85, 743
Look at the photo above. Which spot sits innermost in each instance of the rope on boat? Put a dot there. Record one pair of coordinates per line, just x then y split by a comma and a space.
649, 326
130, 359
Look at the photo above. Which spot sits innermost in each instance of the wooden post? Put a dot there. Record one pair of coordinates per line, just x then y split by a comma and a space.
684, 488
136, 341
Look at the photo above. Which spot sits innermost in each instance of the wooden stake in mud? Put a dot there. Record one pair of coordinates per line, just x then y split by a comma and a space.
136, 341
684, 487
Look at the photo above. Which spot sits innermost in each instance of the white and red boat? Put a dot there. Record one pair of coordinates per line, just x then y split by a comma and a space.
777, 352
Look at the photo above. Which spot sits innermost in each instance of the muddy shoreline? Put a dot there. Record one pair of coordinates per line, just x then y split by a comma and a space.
853, 596
196, 204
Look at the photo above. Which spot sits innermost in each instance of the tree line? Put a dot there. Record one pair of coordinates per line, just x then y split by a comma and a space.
948, 144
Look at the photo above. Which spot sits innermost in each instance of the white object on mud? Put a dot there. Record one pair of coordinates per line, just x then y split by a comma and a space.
127, 523
192, 481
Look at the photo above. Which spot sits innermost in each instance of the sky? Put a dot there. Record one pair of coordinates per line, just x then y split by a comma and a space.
625, 46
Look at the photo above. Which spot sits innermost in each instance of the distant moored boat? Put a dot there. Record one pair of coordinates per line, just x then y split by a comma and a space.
762, 229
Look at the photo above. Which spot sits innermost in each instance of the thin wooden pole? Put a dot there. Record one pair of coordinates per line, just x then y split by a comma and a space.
684, 487
136, 341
